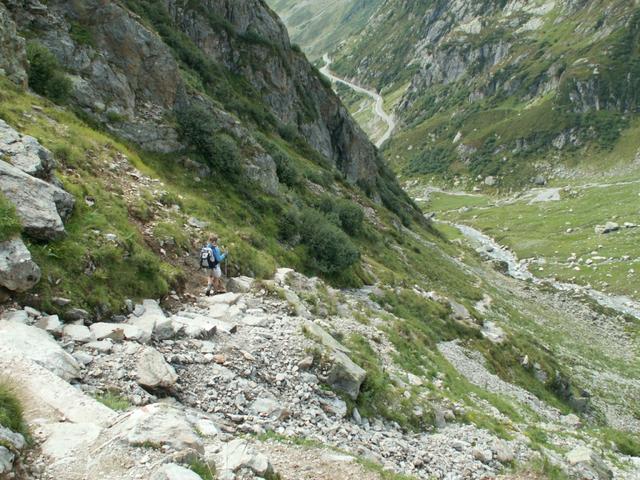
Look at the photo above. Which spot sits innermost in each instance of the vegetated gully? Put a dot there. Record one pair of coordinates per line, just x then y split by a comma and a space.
378, 108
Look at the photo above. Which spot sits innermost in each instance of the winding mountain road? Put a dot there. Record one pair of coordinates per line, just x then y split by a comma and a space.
378, 108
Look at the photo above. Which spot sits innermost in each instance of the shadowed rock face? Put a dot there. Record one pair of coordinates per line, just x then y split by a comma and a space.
126, 76
284, 78
13, 60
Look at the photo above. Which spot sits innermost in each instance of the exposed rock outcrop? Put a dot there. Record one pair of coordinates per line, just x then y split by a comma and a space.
41, 206
25, 153
13, 58
18, 272
126, 76
38, 346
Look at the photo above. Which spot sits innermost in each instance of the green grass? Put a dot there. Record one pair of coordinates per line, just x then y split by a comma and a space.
114, 401
10, 224
556, 230
626, 443
11, 414
202, 468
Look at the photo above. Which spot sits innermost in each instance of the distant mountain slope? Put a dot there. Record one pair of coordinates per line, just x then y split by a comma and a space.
320, 26
508, 89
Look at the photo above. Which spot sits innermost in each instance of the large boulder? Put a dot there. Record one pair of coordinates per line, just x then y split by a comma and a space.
588, 465
345, 375
25, 152
18, 272
13, 57
38, 346
42, 207
6, 460
160, 424
153, 371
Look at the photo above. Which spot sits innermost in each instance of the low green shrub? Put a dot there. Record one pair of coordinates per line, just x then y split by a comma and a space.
114, 401
45, 74
203, 469
286, 170
199, 128
330, 250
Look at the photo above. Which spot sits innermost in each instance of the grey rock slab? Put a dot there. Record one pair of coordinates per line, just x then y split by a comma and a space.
60, 301
101, 346
83, 358
151, 307
239, 454
42, 207
37, 345
173, 471
335, 406
77, 333
118, 332
76, 314
18, 271
199, 326
319, 334
12, 438
153, 371
19, 316
154, 324
113, 331
240, 284
588, 463
608, 227
256, 321
267, 407
6, 460
48, 397
228, 298
25, 152
218, 310
64, 437
199, 224
159, 424
50, 324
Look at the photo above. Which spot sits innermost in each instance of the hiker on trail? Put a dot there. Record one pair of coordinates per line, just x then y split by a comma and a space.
210, 258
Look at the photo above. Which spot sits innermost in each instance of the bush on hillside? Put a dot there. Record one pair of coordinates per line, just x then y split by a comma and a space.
351, 217
343, 213
330, 249
45, 74
198, 127
286, 170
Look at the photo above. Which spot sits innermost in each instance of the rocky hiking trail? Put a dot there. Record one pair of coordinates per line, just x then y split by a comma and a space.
226, 380
378, 108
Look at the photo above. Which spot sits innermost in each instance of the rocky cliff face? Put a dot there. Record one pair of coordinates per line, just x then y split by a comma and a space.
256, 46
125, 74
12, 54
